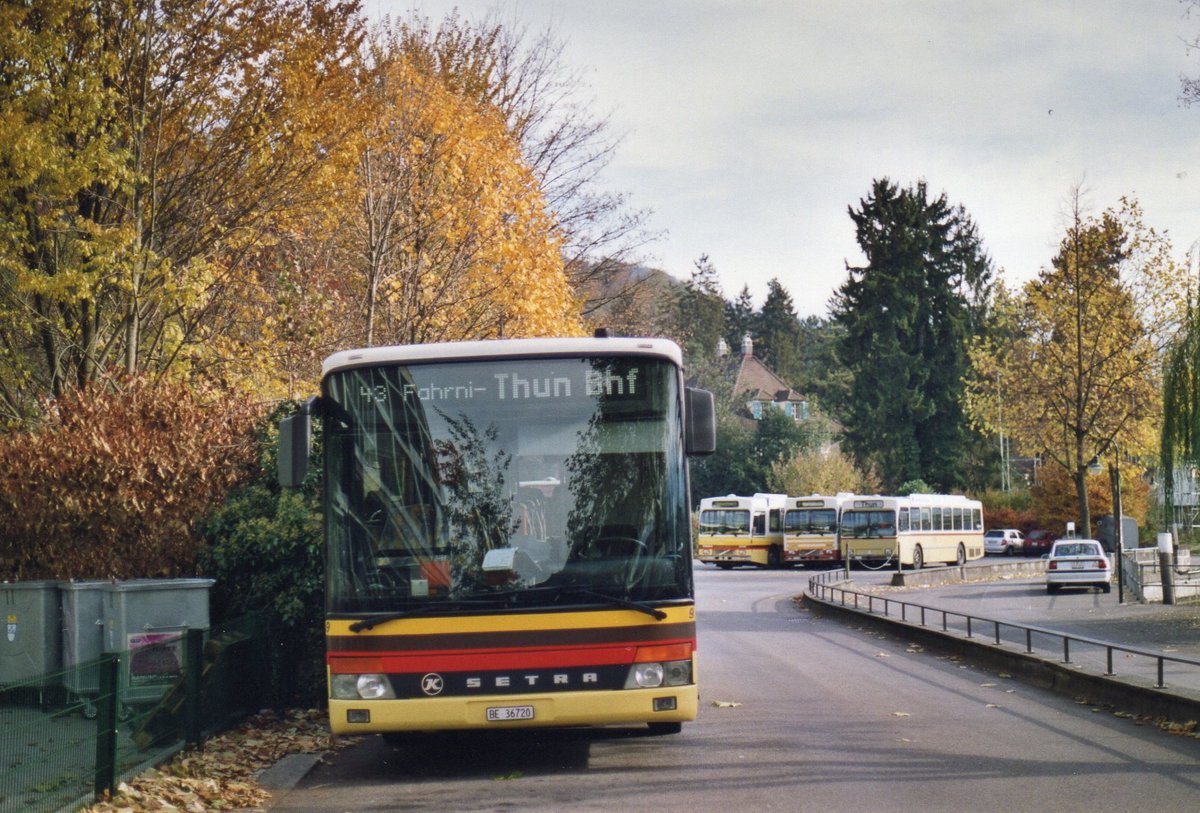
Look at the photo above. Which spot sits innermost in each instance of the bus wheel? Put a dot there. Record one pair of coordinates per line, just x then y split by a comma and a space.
962, 555
774, 557
725, 565
918, 558
658, 729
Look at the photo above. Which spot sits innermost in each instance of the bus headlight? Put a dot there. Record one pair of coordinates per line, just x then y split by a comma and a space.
653, 675
360, 687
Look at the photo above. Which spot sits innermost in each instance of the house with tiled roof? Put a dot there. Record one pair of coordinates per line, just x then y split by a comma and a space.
757, 387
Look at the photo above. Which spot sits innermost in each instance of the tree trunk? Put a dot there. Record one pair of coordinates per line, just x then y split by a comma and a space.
1085, 516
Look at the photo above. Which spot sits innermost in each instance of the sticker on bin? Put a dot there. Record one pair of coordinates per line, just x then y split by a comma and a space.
497, 714
155, 654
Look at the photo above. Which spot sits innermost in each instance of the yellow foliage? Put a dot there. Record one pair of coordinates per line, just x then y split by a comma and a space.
453, 227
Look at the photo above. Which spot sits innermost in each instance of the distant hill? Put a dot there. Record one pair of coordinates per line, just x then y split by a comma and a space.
631, 300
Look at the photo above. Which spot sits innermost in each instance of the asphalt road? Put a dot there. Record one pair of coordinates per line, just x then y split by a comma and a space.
799, 712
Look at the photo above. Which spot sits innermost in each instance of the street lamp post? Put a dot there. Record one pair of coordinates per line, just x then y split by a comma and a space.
1114, 473
1119, 519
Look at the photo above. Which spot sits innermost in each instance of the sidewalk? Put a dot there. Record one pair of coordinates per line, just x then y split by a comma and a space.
1129, 680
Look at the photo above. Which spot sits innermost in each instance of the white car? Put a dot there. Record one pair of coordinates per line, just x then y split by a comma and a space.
1003, 541
1078, 563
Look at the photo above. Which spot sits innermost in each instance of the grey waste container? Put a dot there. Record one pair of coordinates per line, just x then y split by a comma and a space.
31, 646
148, 618
82, 635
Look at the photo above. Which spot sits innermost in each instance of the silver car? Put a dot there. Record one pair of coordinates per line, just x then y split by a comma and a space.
1078, 563
1005, 541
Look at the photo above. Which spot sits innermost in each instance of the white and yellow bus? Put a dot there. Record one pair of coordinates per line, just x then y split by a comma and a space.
507, 531
912, 531
810, 529
742, 530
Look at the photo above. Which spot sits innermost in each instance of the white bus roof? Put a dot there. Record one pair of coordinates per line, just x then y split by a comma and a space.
502, 348
940, 499
755, 501
814, 499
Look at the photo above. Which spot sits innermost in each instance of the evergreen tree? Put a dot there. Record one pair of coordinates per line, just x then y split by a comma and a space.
739, 319
819, 374
777, 333
699, 312
907, 315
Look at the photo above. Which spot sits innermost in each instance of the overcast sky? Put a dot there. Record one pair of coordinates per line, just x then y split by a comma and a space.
750, 126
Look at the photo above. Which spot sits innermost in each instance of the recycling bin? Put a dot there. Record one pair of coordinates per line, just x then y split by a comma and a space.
149, 619
82, 635
31, 646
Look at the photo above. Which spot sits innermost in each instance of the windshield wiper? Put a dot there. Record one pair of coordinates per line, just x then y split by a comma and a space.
584, 592
422, 609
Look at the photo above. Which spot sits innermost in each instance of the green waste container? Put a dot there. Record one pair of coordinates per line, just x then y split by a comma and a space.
31, 646
82, 638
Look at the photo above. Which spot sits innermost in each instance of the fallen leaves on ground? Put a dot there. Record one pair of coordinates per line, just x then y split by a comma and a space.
221, 774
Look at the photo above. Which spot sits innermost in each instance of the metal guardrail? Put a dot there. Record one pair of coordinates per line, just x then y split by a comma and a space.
821, 587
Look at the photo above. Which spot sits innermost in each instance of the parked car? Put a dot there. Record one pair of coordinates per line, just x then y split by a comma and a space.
1078, 563
1038, 542
1003, 540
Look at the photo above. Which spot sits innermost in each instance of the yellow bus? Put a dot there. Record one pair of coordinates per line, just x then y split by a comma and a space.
508, 535
810, 529
742, 530
912, 531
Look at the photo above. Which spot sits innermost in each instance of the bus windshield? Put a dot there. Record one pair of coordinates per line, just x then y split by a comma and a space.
811, 521
725, 521
504, 483
869, 523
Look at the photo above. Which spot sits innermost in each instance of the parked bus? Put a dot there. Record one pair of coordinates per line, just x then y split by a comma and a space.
810, 529
508, 537
742, 530
912, 531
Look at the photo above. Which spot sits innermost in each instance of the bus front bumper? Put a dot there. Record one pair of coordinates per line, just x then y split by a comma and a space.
599, 708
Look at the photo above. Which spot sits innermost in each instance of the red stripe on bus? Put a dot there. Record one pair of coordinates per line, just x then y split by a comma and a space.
360, 663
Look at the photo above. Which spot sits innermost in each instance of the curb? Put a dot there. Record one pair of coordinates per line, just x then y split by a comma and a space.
286, 774
1125, 694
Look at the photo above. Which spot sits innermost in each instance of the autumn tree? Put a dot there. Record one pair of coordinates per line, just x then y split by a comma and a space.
1084, 349
547, 111
819, 467
145, 150
453, 236
906, 317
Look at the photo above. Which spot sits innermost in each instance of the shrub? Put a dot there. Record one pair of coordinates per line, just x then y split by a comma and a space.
265, 552
112, 483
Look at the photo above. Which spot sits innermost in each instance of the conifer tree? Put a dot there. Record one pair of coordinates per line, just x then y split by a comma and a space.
739, 318
777, 332
907, 315
700, 312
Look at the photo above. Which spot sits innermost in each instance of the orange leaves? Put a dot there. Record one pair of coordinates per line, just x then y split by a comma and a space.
112, 484
220, 775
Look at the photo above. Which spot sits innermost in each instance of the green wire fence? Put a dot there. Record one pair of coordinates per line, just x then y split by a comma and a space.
68, 737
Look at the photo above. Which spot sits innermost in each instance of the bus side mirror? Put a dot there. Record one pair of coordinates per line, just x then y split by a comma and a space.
700, 417
295, 445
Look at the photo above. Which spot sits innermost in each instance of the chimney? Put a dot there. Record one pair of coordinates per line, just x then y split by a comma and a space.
747, 345
722, 348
